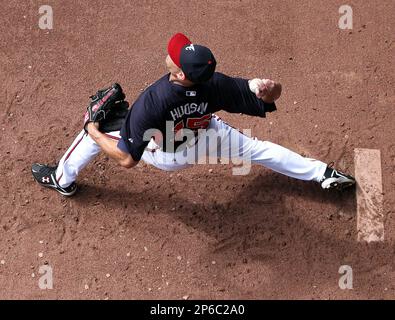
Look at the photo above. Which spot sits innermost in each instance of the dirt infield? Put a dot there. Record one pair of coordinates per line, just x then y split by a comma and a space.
196, 234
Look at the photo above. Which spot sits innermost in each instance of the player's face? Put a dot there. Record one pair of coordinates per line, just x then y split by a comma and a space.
171, 66
176, 73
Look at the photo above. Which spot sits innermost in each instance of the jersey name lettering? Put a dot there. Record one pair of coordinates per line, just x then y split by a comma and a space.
188, 109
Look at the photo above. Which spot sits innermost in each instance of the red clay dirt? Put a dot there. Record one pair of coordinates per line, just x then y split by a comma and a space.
198, 234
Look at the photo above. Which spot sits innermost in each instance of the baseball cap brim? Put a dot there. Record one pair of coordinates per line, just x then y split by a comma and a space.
176, 43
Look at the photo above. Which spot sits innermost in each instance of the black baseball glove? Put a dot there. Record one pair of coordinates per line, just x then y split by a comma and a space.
115, 118
107, 106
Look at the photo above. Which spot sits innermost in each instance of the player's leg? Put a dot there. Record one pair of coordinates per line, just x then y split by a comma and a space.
234, 144
166, 161
62, 177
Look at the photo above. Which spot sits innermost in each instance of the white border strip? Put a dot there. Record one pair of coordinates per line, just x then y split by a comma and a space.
370, 213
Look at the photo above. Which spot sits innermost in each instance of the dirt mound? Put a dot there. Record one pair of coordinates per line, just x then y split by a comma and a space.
143, 233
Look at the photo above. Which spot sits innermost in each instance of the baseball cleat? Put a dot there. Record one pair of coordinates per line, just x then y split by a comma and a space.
46, 176
334, 179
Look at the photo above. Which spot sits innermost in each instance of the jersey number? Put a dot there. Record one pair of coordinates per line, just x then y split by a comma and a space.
194, 123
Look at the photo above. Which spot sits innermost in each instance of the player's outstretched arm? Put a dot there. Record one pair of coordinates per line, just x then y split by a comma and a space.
267, 90
109, 147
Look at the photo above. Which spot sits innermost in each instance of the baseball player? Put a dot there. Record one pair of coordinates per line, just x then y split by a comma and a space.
172, 125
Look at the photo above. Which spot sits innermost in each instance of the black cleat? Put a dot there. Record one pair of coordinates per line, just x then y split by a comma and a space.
334, 179
45, 175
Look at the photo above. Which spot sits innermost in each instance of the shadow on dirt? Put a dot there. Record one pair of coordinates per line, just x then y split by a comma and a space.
273, 220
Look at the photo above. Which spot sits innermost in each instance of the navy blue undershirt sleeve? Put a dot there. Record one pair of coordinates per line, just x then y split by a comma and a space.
235, 96
122, 145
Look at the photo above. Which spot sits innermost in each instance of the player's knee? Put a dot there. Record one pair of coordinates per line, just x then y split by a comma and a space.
268, 151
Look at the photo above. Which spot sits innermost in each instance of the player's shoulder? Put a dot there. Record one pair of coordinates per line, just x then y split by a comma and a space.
159, 90
219, 77
150, 101
221, 80
152, 88
161, 82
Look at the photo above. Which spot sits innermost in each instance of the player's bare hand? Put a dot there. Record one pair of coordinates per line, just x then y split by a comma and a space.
266, 89
91, 125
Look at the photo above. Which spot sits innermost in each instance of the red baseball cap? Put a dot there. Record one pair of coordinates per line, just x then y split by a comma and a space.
196, 61
176, 43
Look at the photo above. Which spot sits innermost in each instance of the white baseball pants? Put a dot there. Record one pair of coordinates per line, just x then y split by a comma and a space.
219, 141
